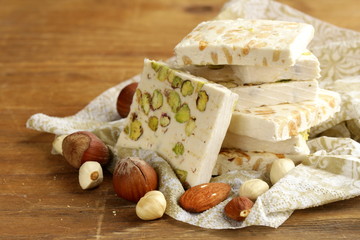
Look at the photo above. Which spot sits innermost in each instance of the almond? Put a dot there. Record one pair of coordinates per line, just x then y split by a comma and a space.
204, 196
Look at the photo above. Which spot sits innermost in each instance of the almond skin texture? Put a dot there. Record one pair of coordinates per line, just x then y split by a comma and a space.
204, 196
125, 98
133, 178
238, 208
82, 146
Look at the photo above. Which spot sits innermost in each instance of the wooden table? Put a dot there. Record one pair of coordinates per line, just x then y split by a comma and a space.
56, 56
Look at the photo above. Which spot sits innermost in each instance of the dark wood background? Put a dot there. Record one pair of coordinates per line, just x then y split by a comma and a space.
56, 56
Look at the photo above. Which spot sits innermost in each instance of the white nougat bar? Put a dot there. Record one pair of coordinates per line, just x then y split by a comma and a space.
281, 122
182, 117
275, 93
251, 42
235, 159
294, 145
306, 67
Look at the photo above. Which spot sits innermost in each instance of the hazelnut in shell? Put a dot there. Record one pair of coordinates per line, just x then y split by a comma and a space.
133, 178
83, 146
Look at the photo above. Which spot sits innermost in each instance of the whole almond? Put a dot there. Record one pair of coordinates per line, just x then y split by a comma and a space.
204, 196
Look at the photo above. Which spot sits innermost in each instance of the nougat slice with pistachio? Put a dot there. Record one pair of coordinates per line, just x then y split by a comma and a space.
182, 117
283, 121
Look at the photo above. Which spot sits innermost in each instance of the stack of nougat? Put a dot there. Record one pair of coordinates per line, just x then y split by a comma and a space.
182, 112
267, 64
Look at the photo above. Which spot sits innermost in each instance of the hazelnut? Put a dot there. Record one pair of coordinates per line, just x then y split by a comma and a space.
279, 168
151, 206
57, 144
125, 98
80, 147
253, 188
133, 178
238, 208
90, 175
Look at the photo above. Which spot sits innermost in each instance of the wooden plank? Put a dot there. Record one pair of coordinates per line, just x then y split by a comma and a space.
55, 57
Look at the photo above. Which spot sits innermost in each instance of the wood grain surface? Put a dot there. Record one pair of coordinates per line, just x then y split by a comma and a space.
56, 56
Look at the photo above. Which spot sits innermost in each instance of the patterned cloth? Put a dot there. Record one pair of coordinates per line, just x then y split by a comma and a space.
330, 173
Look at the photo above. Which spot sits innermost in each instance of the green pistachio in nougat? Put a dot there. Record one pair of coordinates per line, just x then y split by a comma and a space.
173, 100
156, 66
163, 73
190, 126
183, 114
164, 120
177, 81
187, 88
202, 100
178, 149
153, 123
145, 102
135, 130
156, 100
138, 95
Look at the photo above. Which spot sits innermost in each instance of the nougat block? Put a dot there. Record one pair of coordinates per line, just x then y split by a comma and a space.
251, 42
252, 96
235, 159
295, 145
182, 117
306, 68
283, 121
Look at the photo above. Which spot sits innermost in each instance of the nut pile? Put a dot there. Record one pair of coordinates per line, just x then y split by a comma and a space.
133, 179
136, 181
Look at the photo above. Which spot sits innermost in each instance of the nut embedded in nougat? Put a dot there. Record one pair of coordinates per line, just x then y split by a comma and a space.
135, 130
190, 126
176, 82
174, 101
156, 66
181, 174
145, 102
183, 114
202, 100
156, 100
153, 123
164, 120
187, 88
178, 149
138, 95
162, 73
